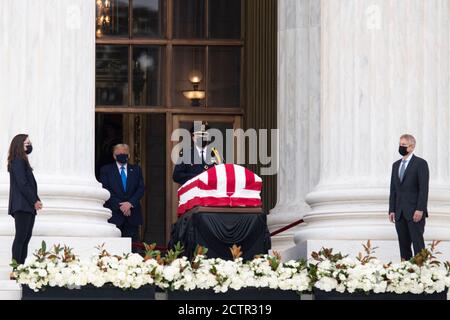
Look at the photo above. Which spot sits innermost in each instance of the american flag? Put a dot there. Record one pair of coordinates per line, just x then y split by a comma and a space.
224, 185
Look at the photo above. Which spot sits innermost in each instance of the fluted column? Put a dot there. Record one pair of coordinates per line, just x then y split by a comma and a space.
298, 113
385, 72
47, 83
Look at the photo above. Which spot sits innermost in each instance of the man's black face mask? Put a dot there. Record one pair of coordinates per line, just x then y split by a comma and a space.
403, 150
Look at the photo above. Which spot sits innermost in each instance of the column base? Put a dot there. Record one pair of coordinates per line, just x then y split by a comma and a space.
364, 226
72, 208
281, 216
362, 214
10, 290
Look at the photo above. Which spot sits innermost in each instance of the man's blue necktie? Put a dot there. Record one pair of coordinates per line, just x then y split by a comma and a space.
124, 178
402, 170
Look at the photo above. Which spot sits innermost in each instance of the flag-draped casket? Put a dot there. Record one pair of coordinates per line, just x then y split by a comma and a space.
224, 185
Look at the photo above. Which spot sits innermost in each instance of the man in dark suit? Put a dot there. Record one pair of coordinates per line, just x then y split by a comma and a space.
199, 158
408, 197
125, 183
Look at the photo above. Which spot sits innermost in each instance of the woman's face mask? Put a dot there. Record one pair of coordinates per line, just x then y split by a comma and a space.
28, 147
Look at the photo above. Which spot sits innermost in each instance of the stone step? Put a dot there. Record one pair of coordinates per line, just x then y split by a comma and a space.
10, 290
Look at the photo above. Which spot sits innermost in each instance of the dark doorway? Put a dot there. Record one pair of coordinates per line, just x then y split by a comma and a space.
108, 133
154, 165
146, 136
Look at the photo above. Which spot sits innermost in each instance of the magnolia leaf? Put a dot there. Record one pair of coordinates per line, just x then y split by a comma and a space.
235, 252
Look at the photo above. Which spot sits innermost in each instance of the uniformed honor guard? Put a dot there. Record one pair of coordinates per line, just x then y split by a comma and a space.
200, 158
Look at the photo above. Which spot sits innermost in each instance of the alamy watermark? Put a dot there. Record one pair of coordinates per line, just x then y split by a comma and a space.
73, 17
373, 17
262, 146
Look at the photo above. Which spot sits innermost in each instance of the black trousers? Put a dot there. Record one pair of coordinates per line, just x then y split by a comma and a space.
410, 232
129, 231
24, 222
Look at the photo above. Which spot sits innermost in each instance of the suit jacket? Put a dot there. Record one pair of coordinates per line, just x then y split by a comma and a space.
411, 194
186, 170
23, 191
111, 181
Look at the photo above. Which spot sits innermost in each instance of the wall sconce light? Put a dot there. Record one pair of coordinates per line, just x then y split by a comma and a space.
103, 16
195, 95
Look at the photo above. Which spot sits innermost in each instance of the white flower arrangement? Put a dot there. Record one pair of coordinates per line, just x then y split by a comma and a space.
327, 272
421, 275
132, 271
222, 275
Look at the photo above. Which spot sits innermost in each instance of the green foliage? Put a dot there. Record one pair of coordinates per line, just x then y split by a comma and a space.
174, 253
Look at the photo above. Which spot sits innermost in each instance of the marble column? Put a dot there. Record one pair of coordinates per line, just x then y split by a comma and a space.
298, 113
384, 72
47, 88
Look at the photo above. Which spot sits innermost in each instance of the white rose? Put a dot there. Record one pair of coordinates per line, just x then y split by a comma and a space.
170, 272
42, 272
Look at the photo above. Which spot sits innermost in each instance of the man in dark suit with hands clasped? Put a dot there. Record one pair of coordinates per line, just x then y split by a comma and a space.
125, 183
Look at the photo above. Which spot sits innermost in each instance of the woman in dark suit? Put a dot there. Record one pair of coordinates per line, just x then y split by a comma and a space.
23, 195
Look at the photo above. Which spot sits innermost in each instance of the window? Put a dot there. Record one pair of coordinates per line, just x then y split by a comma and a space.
224, 76
112, 75
112, 18
189, 19
148, 18
187, 62
147, 51
147, 75
224, 18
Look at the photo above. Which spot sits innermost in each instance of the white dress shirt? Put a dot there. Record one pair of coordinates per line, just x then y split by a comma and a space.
119, 166
199, 151
406, 163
